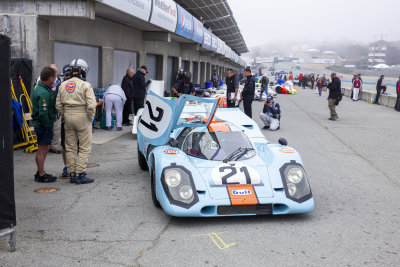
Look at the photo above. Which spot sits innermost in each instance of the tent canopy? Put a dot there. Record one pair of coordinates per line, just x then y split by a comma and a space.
381, 66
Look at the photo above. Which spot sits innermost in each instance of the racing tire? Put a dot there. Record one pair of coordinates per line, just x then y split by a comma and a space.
153, 187
142, 161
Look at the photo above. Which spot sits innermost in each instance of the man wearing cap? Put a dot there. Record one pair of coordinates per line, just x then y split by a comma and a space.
271, 114
139, 88
379, 87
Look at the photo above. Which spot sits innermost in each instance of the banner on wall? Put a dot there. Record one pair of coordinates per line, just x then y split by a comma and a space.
198, 31
137, 8
214, 43
185, 23
164, 14
207, 40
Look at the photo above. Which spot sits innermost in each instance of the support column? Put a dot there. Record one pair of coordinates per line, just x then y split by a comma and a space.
165, 71
107, 66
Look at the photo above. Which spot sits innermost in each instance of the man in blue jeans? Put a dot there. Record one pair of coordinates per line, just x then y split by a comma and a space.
44, 115
264, 87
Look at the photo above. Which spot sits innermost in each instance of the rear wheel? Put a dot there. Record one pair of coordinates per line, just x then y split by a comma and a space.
153, 187
142, 160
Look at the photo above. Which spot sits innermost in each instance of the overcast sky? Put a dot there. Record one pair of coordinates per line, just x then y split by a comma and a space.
297, 21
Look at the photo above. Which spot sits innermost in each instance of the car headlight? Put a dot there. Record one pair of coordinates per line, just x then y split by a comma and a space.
179, 187
172, 178
186, 192
295, 182
295, 175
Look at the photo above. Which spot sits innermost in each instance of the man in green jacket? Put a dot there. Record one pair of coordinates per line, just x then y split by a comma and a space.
44, 115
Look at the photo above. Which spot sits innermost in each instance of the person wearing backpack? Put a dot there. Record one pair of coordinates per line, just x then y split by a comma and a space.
264, 87
356, 88
319, 86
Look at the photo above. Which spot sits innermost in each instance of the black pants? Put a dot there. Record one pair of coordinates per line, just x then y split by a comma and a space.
126, 110
378, 94
247, 107
397, 107
231, 104
138, 103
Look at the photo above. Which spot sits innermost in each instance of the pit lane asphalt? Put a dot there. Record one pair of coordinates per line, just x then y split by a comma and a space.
352, 165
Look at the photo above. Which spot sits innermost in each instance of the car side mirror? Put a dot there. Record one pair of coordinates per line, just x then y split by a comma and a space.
282, 141
173, 142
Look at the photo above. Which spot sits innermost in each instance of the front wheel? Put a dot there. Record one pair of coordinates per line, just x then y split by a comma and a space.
153, 187
142, 160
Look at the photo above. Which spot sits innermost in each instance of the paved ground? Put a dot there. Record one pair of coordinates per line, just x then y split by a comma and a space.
353, 170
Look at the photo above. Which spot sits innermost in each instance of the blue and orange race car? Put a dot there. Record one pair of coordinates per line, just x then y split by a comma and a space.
205, 161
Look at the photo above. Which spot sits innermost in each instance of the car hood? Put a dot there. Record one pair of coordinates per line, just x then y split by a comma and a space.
218, 175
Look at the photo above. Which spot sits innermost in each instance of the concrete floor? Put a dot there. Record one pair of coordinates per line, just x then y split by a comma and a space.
352, 165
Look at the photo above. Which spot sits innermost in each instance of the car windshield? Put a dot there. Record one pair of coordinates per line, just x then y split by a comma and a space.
195, 112
217, 145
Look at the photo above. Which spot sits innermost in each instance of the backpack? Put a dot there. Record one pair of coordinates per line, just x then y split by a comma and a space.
357, 83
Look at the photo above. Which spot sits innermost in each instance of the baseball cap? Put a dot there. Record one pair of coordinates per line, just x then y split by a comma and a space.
144, 68
269, 98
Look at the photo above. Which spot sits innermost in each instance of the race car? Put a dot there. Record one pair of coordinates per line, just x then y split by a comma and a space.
204, 162
271, 91
283, 90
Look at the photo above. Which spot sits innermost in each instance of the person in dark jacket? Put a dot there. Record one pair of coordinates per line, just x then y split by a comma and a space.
397, 107
44, 114
335, 94
232, 89
184, 86
127, 86
379, 87
271, 114
139, 88
248, 92
264, 86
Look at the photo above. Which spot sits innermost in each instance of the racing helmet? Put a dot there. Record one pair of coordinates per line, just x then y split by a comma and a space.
79, 66
66, 72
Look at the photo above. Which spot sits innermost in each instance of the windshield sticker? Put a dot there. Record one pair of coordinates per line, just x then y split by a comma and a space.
235, 173
287, 150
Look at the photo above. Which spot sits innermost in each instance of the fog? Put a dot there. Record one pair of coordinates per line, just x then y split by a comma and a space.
294, 22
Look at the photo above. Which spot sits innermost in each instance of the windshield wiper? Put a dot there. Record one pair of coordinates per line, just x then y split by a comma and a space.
242, 150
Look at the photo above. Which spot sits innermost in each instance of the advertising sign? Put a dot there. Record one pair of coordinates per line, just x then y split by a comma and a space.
164, 14
207, 39
214, 43
138, 8
198, 31
185, 23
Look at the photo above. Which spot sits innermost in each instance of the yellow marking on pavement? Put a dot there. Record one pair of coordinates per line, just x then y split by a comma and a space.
218, 240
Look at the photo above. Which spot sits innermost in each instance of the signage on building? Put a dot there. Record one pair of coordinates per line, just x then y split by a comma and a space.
198, 31
185, 23
207, 39
164, 14
137, 8
214, 43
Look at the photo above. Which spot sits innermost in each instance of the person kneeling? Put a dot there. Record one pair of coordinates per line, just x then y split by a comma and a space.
271, 115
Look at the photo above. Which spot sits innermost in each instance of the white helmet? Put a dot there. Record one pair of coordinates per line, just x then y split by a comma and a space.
81, 65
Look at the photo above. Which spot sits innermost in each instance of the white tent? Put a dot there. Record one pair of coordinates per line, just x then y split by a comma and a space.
381, 66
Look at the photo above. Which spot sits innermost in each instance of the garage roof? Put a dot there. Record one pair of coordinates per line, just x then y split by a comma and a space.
217, 15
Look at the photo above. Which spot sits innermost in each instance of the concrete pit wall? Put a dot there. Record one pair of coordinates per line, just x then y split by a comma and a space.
34, 27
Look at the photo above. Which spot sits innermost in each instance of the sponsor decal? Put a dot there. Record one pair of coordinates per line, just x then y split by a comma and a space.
44, 104
171, 151
287, 150
241, 192
242, 195
70, 87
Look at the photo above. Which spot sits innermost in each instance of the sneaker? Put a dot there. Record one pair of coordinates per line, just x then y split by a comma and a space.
82, 179
46, 178
65, 172
127, 124
108, 129
332, 119
266, 127
72, 177
119, 128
